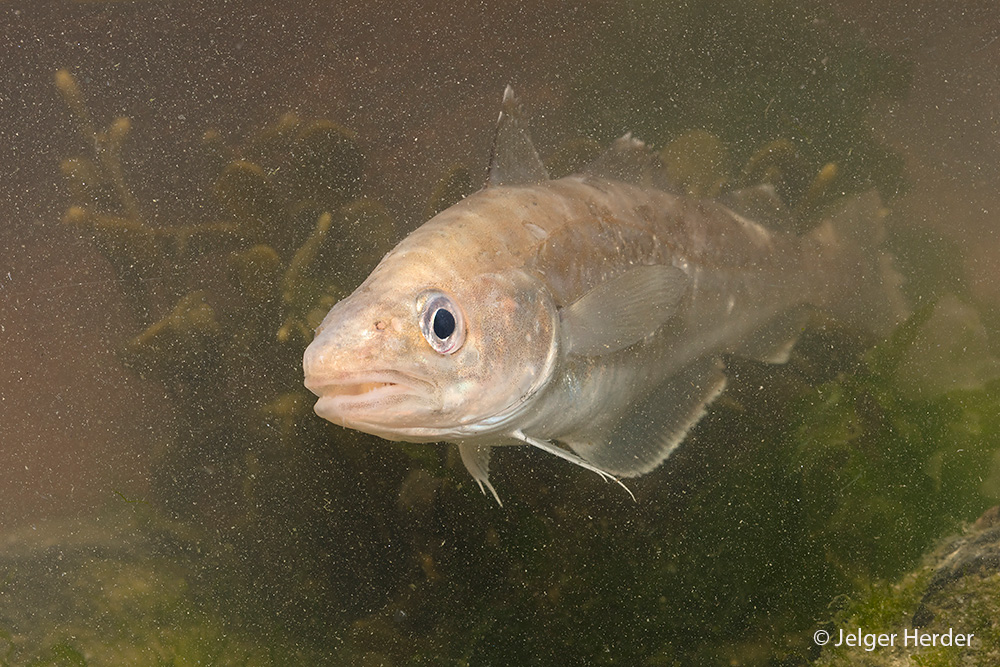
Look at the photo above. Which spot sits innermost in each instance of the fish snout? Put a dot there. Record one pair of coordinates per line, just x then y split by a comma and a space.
315, 360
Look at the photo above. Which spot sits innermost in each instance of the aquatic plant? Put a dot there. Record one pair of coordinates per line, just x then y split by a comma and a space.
804, 78
129, 591
886, 470
290, 216
222, 310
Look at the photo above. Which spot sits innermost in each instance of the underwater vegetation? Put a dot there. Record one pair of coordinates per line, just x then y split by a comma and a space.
877, 458
811, 482
805, 78
126, 592
210, 295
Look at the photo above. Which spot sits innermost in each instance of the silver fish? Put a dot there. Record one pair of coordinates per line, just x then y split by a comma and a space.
585, 316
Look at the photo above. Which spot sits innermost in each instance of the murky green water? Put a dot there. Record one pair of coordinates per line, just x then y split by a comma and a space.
194, 184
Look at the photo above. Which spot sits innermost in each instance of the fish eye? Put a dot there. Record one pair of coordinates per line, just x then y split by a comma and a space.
441, 322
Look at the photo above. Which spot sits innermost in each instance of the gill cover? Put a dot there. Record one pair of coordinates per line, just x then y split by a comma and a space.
509, 352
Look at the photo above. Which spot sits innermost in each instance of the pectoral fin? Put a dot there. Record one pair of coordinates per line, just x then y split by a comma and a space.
647, 435
623, 310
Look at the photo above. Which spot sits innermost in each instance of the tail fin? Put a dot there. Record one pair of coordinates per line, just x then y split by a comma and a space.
862, 285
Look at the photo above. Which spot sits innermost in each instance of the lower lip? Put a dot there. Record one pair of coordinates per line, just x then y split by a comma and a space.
338, 403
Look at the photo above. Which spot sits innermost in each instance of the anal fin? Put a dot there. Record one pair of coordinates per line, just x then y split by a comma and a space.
643, 438
773, 342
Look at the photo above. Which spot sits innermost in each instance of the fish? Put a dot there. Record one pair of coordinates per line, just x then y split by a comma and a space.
586, 316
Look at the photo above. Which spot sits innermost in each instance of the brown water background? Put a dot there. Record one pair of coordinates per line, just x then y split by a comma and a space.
421, 86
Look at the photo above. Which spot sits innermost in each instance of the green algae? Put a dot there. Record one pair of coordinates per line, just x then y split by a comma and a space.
935, 597
698, 162
883, 474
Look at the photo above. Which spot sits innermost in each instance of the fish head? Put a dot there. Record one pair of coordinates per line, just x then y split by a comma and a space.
423, 353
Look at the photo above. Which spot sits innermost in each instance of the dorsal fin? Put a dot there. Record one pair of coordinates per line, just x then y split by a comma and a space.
514, 160
630, 160
760, 203
627, 160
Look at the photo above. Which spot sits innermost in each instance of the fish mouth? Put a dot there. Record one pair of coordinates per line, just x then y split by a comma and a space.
352, 389
343, 396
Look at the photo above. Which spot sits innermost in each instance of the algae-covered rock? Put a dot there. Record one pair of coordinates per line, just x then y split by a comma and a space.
942, 614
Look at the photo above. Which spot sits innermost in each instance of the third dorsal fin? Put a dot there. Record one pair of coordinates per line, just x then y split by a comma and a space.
514, 160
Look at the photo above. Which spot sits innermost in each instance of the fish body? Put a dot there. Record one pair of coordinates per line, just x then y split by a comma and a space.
585, 316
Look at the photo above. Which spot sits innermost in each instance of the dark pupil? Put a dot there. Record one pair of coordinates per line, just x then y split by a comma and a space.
444, 323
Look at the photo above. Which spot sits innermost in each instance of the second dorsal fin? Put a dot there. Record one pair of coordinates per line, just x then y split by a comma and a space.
514, 160
628, 160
